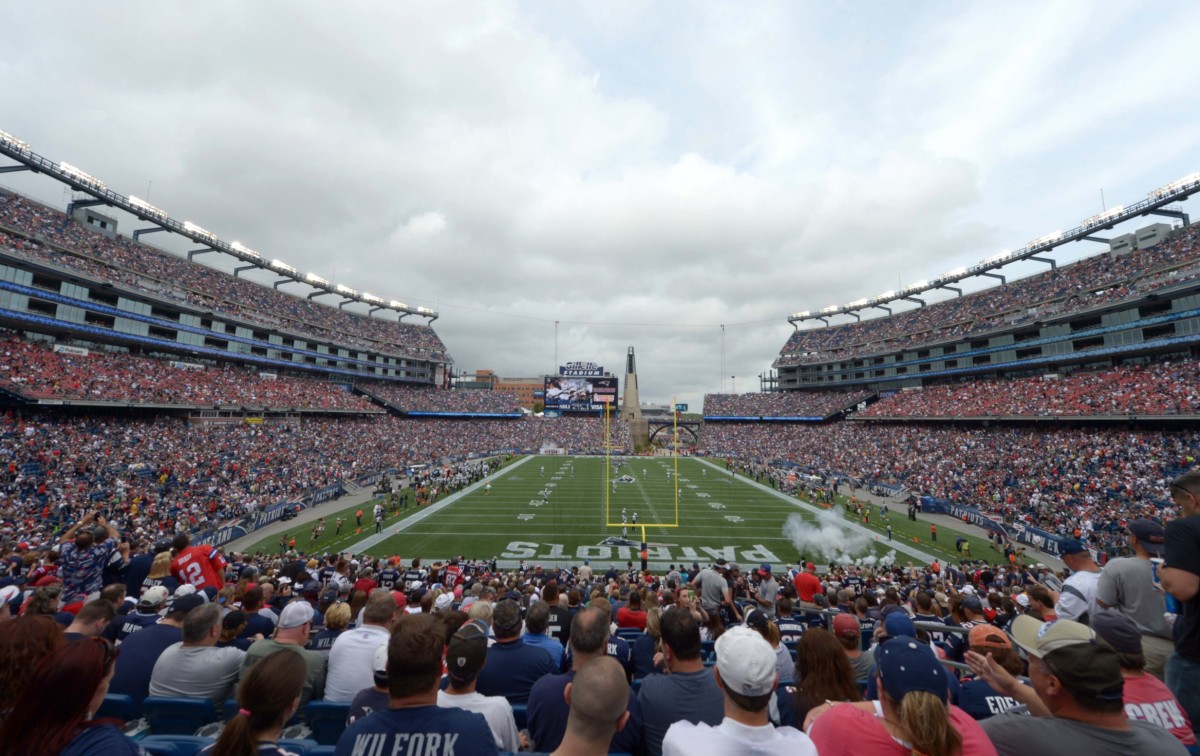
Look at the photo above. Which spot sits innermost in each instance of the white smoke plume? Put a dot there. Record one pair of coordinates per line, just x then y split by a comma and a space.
828, 540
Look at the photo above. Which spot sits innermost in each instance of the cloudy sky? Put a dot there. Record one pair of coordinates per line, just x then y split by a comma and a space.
640, 172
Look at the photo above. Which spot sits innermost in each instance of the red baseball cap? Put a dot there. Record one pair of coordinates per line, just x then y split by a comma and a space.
846, 626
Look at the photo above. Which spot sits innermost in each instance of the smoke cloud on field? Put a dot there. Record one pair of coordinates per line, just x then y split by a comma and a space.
828, 540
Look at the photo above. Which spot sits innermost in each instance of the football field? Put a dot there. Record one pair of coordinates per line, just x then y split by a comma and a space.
562, 510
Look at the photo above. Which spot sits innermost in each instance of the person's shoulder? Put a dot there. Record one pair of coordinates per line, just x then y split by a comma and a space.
1154, 738
102, 738
552, 684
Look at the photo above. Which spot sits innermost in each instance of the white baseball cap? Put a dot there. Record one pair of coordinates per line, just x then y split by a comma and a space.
295, 614
746, 662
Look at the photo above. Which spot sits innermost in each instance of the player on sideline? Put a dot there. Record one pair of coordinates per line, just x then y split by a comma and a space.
624, 522
635, 518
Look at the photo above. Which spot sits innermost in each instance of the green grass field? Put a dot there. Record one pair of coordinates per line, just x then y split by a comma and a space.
562, 509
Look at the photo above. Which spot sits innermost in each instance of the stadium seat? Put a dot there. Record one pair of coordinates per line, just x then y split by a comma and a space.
177, 716
298, 747
519, 713
327, 720
230, 709
118, 707
321, 750
174, 745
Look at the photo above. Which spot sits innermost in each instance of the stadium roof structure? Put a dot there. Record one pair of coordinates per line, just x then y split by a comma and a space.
28, 160
1155, 203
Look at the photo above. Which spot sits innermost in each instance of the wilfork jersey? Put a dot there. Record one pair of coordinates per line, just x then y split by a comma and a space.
200, 566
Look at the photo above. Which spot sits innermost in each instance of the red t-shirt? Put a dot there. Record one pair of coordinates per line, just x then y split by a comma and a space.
627, 617
200, 566
848, 731
807, 586
366, 585
1147, 699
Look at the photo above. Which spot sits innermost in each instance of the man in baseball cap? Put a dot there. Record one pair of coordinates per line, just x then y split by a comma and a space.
745, 673
1075, 695
153, 601
1127, 585
767, 591
848, 632
1077, 600
292, 633
465, 656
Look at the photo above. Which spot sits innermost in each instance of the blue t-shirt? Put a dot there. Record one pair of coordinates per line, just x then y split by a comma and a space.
138, 655
255, 624
642, 654
548, 711
512, 669
124, 625
420, 730
101, 740
981, 700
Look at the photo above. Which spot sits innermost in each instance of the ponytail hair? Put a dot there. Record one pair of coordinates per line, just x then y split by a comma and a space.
926, 723
265, 699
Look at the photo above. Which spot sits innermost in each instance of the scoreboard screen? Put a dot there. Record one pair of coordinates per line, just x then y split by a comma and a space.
580, 394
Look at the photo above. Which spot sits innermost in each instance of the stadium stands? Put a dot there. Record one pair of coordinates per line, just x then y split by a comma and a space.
46, 235
781, 404
37, 372
1082, 285
413, 399
1161, 388
1054, 479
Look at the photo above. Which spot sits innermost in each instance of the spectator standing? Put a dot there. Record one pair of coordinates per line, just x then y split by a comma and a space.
54, 715
746, 676
414, 671
195, 667
1077, 601
201, 566
465, 656
81, 559
767, 592
1075, 695
1180, 575
292, 634
352, 656
512, 666
808, 585
1127, 585
687, 691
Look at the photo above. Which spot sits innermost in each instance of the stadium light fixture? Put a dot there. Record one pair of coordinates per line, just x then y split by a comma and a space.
313, 278
424, 310
917, 286
953, 273
146, 207
242, 248
283, 267
1174, 186
1099, 218
371, 298
198, 231
12, 141
81, 177
1052, 236
340, 289
830, 309
1003, 254
858, 303
802, 314
889, 294
397, 305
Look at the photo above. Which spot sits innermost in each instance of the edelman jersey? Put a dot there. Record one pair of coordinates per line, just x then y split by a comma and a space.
201, 566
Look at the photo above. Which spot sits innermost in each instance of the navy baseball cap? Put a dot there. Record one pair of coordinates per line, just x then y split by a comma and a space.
1150, 535
906, 665
1071, 546
899, 624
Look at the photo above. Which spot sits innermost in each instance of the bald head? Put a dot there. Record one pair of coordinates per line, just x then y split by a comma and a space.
599, 699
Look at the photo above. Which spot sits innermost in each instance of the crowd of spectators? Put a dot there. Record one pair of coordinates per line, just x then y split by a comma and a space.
782, 403
1160, 388
413, 399
836, 659
37, 232
1064, 481
1091, 282
162, 475
36, 371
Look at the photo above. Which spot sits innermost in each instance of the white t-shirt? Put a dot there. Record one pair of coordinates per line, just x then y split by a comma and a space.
495, 709
352, 662
1078, 596
732, 738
